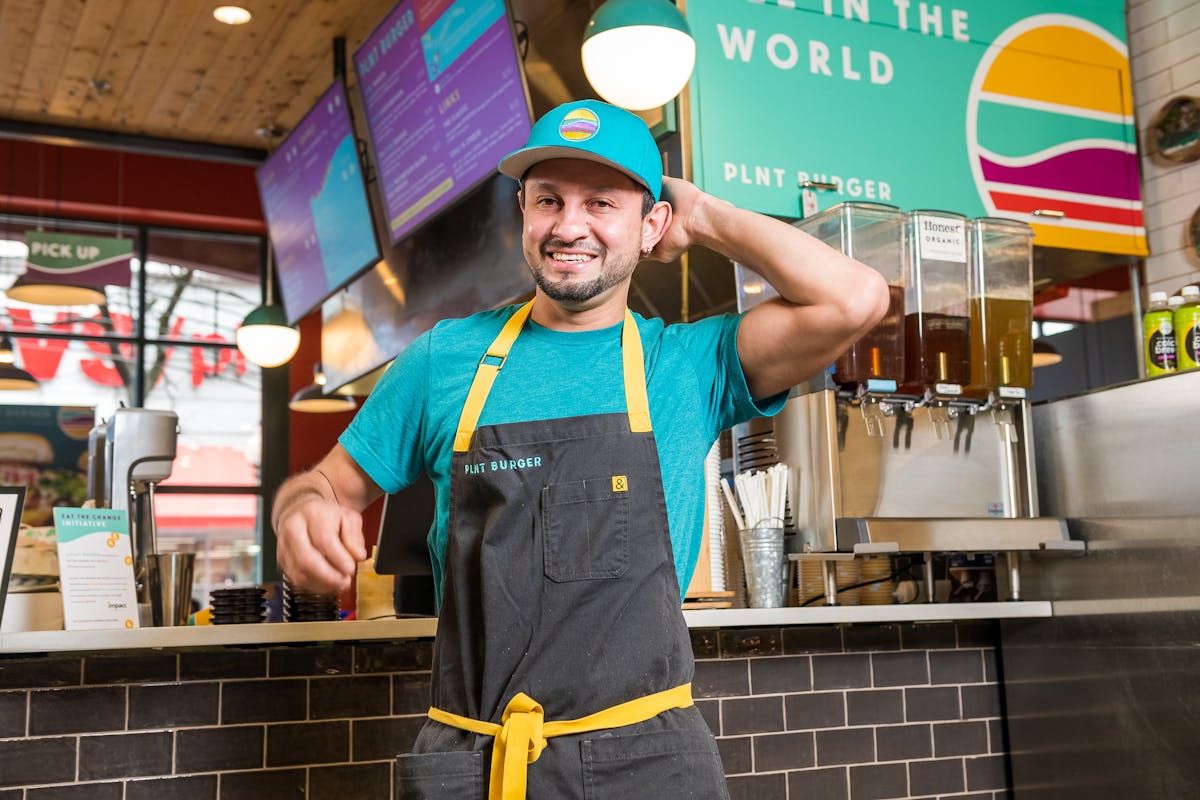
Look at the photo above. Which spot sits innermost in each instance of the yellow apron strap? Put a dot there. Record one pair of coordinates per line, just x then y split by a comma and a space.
635, 376
485, 376
631, 359
519, 741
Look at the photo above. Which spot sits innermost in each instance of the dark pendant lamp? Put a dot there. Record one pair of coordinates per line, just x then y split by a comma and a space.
12, 377
638, 54
312, 398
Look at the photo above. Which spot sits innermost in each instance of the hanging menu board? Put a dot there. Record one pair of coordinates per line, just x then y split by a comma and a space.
445, 100
316, 206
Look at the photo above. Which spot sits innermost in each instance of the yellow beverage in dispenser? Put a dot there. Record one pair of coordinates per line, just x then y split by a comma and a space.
1001, 342
1001, 307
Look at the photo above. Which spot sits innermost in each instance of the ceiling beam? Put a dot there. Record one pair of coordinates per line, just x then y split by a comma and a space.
131, 143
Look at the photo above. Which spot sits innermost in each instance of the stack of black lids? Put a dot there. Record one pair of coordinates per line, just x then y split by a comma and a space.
238, 606
309, 607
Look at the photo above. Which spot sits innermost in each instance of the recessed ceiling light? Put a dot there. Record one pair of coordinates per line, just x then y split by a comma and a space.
231, 15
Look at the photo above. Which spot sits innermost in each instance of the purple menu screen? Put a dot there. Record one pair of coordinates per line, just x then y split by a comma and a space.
444, 101
316, 207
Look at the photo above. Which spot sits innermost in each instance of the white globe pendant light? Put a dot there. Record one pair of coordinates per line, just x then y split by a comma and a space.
638, 54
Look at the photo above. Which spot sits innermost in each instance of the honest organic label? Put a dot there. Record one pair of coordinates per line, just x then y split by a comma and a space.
95, 558
943, 239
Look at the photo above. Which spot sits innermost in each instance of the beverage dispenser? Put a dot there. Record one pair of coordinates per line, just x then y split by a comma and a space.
873, 367
936, 321
913, 464
1001, 309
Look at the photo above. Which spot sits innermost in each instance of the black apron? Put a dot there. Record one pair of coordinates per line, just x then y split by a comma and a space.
561, 601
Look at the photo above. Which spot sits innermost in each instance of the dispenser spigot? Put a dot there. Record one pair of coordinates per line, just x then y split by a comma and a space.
874, 408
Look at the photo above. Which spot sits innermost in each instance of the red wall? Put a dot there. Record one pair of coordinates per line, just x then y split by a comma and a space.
92, 183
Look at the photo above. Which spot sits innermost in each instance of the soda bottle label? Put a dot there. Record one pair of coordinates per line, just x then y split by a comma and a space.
1159, 343
1162, 350
1187, 336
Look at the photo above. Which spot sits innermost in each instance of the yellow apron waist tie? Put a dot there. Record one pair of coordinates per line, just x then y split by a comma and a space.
522, 736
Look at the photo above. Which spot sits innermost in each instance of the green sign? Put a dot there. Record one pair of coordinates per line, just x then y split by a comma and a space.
975, 106
79, 260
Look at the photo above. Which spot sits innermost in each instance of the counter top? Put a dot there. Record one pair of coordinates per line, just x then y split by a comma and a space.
423, 627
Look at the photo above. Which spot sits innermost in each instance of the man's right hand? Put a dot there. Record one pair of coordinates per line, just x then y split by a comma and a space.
318, 523
319, 544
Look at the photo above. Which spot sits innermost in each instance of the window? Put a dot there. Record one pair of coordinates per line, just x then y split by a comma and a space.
165, 342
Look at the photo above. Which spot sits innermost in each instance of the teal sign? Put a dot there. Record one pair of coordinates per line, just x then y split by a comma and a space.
976, 106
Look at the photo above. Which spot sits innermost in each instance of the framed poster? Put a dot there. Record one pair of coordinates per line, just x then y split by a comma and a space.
12, 498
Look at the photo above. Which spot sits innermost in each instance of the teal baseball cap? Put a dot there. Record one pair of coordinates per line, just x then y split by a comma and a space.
594, 131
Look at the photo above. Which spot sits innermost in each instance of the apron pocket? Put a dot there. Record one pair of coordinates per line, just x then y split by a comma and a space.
440, 776
586, 529
652, 766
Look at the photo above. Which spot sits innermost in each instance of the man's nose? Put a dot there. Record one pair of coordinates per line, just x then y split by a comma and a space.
571, 223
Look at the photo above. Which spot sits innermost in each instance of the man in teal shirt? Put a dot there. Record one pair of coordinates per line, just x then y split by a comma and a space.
566, 439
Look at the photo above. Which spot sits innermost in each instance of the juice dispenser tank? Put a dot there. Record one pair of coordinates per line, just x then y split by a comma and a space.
872, 233
936, 323
1001, 307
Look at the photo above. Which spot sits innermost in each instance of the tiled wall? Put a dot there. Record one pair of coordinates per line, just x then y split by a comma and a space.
319, 722
829, 712
1164, 45
855, 712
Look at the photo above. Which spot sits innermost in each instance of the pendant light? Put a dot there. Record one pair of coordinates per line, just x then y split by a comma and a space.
42, 293
12, 377
312, 398
1045, 354
638, 54
264, 337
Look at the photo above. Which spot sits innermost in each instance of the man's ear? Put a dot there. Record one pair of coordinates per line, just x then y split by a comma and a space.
521, 198
655, 224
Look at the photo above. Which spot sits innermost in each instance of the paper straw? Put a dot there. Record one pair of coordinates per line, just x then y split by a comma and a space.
737, 518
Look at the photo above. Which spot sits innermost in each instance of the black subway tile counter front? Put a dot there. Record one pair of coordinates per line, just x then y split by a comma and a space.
848, 712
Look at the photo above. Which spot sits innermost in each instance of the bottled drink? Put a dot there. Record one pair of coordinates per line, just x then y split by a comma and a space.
1187, 328
1158, 337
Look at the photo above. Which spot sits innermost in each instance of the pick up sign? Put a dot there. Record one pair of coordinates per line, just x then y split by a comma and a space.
64, 258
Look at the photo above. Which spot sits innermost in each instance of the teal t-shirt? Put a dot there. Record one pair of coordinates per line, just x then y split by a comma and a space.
694, 382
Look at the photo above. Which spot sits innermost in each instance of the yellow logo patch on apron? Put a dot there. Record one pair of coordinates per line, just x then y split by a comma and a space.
620, 483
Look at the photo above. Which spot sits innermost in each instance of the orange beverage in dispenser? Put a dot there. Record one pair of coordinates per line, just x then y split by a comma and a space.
1001, 343
880, 353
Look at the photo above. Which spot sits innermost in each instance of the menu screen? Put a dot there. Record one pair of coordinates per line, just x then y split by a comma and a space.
444, 100
316, 206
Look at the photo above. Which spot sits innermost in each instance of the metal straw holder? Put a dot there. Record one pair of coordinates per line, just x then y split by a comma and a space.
765, 566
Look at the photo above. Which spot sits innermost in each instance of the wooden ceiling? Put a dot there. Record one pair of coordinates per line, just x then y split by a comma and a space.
169, 69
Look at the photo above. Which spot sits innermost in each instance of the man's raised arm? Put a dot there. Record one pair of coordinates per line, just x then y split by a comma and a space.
826, 300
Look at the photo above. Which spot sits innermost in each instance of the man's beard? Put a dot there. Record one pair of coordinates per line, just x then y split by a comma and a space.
570, 291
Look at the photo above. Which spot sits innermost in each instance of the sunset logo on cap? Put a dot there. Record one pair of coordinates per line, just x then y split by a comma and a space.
579, 125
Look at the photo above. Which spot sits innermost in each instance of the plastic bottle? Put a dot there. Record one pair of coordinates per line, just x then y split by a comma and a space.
1158, 340
1187, 328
